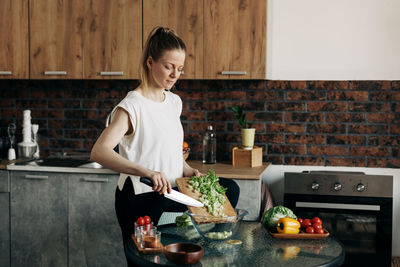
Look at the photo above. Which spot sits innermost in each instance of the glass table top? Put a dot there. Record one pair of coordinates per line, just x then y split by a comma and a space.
258, 248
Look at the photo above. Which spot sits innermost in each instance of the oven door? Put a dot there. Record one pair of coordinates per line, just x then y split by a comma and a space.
362, 224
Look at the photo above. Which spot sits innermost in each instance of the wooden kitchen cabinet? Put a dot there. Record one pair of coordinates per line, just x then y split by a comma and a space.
112, 39
14, 57
186, 18
56, 39
4, 219
39, 209
95, 238
235, 39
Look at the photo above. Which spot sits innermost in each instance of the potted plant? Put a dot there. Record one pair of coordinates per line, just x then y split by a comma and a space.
248, 133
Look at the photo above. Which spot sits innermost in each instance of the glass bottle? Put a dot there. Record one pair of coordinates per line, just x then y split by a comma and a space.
210, 146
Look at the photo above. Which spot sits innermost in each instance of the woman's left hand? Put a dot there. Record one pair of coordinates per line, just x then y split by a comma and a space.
192, 172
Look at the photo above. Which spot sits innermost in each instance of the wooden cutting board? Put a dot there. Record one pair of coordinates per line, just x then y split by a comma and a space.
228, 210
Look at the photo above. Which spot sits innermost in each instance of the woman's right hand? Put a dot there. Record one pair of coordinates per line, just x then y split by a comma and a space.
160, 182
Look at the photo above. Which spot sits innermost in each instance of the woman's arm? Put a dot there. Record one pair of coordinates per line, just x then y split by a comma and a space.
189, 171
103, 152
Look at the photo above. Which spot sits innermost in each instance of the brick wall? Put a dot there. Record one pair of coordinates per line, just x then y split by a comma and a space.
332, 123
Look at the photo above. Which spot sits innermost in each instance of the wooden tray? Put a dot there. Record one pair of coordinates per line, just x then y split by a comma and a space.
228, 210
146, 250
300, 235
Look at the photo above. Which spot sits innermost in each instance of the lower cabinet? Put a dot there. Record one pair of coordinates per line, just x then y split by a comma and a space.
39, 217
94, 235
4, 219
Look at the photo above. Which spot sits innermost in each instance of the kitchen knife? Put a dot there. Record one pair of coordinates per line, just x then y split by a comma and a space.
175, 195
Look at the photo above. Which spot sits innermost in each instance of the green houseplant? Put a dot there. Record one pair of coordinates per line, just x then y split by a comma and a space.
248, 132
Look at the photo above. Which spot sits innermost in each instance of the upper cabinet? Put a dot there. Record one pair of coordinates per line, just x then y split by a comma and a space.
77, 39
235, 39
56, 39
186, 18
101, 39
14, 56
112, 39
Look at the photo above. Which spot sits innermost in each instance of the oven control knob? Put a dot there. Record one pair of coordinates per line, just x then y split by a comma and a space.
337, 186
360, 187
315, 186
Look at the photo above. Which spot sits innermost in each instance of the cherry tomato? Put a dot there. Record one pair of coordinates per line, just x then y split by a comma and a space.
316, 220
140, 221
147, 226
319, 231
317, 226
147, 219
310, 230
300, 220
306, 223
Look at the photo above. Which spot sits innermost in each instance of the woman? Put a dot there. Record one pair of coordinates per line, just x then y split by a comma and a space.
146, 125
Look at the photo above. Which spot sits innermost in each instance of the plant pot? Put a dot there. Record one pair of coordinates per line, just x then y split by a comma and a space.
248, 138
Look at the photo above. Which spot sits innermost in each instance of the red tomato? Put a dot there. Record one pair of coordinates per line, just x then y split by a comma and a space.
306, 223
140, 221
300, 220
147, 219
319, 230
316, 220
310, 230
317, 226
147, 227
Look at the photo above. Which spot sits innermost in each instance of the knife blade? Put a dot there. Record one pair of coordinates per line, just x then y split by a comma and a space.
175, 195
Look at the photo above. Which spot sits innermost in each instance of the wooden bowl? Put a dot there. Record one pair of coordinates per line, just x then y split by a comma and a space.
183, 253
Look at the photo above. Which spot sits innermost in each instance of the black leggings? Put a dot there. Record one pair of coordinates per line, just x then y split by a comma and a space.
129, 206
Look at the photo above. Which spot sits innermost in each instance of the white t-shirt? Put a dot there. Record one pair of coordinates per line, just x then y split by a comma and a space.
157, 139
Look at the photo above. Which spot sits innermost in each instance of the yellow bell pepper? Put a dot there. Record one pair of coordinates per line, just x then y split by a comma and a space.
288, 225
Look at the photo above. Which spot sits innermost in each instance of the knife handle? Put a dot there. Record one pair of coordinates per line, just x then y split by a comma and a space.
147, 181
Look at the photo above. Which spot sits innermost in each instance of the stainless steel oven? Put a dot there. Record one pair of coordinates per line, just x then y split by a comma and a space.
355, 208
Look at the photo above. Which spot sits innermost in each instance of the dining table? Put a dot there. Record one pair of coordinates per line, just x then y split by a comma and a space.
253, 246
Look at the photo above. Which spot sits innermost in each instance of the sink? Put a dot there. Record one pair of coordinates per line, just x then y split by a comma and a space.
72, 162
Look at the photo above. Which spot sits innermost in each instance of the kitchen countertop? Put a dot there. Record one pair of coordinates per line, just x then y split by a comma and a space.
258, 248
31, 166
227, 170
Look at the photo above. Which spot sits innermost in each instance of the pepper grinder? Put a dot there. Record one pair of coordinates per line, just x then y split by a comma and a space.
11, 135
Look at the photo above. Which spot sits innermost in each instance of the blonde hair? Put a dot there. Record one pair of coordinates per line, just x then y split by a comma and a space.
160, 39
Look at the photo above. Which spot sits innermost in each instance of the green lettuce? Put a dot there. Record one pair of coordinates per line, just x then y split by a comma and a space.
271, 216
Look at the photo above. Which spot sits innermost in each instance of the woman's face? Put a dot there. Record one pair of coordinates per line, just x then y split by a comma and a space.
167, 69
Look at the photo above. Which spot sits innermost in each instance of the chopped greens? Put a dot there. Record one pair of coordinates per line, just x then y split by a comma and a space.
212, 194
183, 220
219, 235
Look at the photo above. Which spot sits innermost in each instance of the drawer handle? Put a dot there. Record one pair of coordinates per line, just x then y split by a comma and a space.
233, 72
115, 73
5, 72
100, 180
55, 72
36, 177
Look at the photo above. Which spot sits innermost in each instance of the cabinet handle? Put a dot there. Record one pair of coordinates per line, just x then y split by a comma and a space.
101, 180
233, 72
116, 73
63, 72
5, 72
36, 177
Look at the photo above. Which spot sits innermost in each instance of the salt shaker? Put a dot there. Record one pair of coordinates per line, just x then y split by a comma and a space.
210, 146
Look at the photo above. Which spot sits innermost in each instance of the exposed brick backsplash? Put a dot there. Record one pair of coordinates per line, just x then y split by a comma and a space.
331, 123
